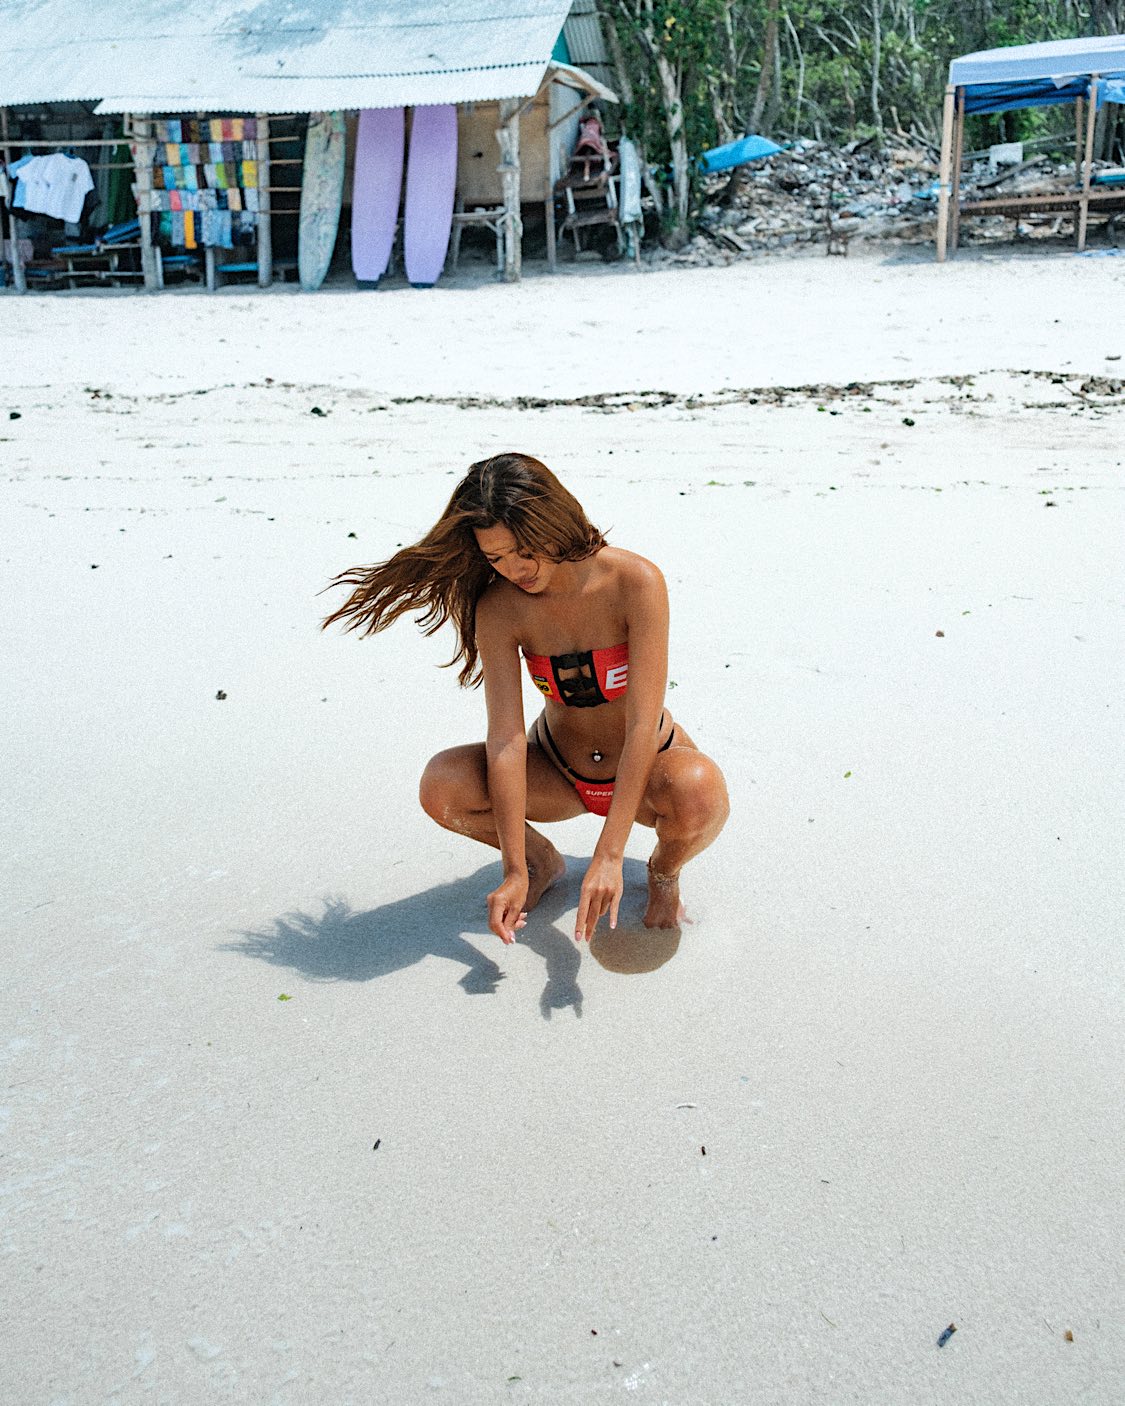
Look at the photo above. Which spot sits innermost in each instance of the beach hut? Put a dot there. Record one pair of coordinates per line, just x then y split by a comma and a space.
266, 68
1084, 72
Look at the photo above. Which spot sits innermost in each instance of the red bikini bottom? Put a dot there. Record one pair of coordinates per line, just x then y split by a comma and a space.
596, 796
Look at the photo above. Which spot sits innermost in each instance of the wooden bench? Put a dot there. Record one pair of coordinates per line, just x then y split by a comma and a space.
489, 217
1098, 201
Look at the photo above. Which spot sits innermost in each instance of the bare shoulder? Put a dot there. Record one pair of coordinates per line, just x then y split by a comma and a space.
635, 574
499, 612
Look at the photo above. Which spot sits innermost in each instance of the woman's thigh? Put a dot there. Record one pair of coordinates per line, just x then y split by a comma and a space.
681, 773
459, 776
550, 796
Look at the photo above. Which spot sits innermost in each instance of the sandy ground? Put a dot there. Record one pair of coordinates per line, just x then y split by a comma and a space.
874, 1089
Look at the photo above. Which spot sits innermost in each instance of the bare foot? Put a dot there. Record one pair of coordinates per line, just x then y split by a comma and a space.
664, 907
542, 873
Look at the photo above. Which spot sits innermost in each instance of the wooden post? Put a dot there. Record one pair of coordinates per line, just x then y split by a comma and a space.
142, 148
1078, 130
19, 277
508, 136
958, 151
549, 216
1084, 199
265, 218
943, 172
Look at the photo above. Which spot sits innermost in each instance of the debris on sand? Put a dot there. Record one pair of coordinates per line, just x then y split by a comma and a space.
813, 193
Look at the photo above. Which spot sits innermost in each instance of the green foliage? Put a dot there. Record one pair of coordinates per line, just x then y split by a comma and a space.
686, 34
820, 81
801, 68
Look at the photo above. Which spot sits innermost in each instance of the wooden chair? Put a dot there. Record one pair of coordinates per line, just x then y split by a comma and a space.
590, 204
490, 216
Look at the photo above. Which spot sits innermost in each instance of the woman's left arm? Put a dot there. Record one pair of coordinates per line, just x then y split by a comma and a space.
646, 609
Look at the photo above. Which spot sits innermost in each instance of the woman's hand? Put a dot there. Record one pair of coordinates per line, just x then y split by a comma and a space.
506, 914
601, 893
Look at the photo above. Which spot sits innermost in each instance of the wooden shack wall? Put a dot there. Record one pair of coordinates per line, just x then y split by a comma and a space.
478, 154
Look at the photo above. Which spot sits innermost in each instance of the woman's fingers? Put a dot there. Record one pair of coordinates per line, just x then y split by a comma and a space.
506, 914
514, 919
499, 920
601, 894
592, 908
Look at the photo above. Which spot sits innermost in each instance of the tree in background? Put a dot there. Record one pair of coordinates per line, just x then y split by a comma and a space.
673, 65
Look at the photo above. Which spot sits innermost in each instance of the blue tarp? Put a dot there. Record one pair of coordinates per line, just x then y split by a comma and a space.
722, 158
1033, 92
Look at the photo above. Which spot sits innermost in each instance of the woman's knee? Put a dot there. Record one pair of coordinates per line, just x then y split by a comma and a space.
452, 782
689, 790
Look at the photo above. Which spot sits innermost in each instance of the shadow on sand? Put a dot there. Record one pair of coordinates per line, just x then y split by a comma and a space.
342, 945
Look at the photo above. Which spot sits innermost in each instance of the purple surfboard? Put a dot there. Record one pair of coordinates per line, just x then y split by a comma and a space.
376, 190
431, 180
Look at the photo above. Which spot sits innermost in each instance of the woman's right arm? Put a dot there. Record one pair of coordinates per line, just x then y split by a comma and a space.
506, 751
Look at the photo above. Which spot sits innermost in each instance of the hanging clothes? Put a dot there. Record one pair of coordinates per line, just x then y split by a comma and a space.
54, 185
205, 176
103, 175
119, 203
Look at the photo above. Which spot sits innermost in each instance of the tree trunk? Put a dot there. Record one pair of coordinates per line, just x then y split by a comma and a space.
722, 122
1107, 17
625, 88
800, 75
876, 56
681, 176
765, 76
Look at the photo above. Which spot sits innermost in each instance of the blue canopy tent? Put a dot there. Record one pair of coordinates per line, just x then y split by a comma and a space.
1086, 72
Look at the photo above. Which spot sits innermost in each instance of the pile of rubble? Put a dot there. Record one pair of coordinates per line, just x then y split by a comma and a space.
816, 194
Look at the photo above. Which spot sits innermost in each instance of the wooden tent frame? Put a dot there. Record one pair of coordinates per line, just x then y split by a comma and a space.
1080, 201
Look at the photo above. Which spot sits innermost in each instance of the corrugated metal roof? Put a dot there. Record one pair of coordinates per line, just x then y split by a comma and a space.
584, 39
274, 55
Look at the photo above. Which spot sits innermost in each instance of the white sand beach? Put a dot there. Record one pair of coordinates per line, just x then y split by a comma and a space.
875, 1088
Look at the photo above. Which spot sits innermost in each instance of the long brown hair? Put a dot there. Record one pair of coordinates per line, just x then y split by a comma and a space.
445, 574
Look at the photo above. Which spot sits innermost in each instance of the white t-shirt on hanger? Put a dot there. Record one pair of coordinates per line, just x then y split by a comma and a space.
54, 185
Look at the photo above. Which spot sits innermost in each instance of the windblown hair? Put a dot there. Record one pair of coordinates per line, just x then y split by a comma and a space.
445, 574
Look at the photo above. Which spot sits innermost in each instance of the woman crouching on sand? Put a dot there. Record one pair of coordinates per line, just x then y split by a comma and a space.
519, 569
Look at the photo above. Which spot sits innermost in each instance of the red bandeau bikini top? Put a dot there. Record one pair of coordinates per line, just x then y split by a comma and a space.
583, 679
